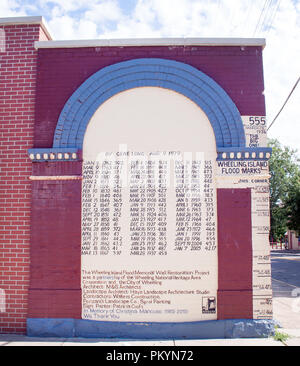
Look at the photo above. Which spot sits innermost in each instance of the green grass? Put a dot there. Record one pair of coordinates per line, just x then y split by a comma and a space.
279, 336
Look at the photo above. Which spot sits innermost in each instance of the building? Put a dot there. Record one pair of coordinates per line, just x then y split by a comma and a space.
53, 95
293, 240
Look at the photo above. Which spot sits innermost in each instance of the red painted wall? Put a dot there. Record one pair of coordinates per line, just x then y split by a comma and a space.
55, 289
234, 254
18, 62
62, 71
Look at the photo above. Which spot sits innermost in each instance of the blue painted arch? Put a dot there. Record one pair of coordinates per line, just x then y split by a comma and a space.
177, 76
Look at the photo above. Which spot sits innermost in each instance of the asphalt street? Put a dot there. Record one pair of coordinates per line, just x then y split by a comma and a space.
286, 288
285, 268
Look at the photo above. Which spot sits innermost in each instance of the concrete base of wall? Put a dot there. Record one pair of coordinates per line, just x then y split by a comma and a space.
229, 328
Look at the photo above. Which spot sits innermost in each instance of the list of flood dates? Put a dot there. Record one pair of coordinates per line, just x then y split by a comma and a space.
148, 237
147, 207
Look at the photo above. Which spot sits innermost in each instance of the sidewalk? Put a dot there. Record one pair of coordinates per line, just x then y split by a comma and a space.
16, 340
286, 308
20, 340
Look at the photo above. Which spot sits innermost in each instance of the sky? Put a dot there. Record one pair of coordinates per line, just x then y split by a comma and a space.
278, 21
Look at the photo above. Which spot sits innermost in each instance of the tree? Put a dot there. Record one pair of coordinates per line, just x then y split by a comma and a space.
292, 205
284, 189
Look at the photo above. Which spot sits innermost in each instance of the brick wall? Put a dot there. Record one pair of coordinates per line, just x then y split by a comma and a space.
18, 60
238, 70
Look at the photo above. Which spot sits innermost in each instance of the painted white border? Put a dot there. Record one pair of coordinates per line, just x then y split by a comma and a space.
138, 42
27, 20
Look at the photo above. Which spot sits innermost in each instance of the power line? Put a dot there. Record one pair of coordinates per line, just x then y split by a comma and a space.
291, 92
267, 15
273, 16
261, 13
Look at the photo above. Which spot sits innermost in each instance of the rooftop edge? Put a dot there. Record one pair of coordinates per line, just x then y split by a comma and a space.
261, 42
27, 20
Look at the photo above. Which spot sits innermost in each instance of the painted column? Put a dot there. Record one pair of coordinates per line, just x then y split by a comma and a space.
54, 290
248, 169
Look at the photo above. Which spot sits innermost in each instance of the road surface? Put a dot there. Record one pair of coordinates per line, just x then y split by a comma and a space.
286, 287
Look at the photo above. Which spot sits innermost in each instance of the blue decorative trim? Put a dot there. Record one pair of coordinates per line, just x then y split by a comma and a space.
54, 154
229, 328
245, 153
182, 78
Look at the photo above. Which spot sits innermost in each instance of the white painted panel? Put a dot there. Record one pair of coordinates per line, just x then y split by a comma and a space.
149, 249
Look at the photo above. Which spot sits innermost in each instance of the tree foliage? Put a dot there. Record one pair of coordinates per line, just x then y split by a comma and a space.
292, 205
284, 190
